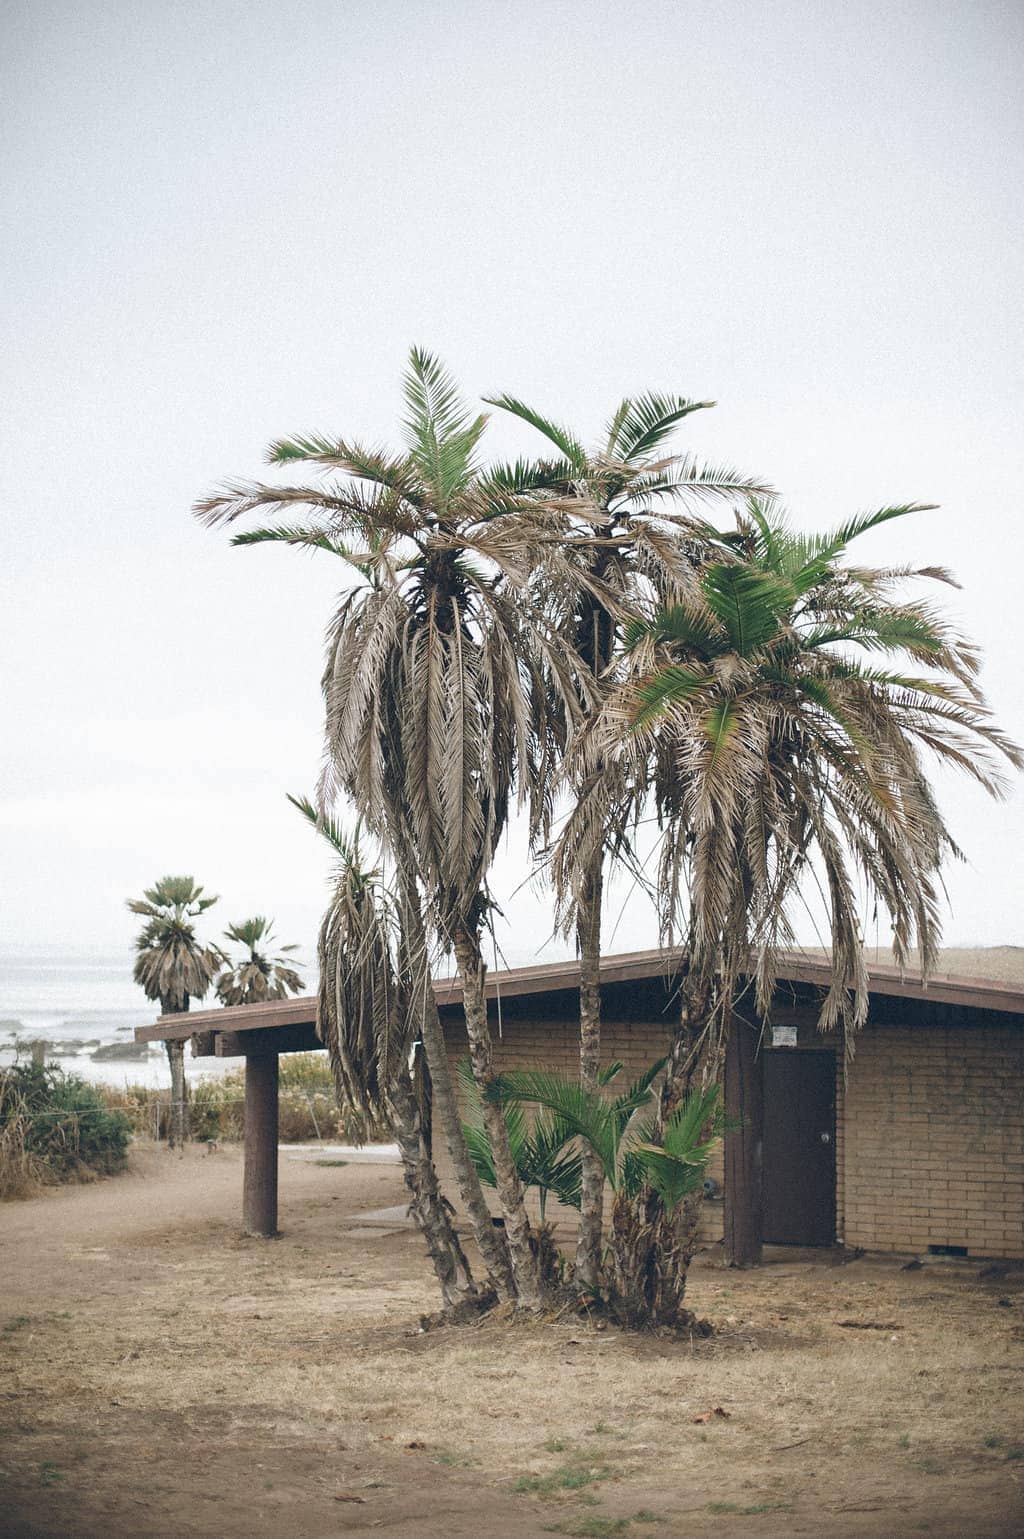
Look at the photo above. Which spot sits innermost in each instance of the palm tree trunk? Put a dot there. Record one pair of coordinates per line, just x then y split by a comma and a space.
588, 934
426, 1204
177, 1130
491, 1242
510, 1192
652, 1250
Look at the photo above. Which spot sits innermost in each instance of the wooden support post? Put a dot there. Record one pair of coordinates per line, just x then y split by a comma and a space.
744, 1103
259, 1187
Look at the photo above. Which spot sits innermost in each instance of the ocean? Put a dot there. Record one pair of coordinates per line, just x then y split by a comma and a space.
86, 1007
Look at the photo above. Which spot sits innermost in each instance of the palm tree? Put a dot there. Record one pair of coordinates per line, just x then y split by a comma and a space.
173, 967
258, 976
637, 529
366, 1017
436, 705
780, 753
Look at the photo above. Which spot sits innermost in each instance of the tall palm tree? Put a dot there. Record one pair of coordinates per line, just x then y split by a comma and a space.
638, 529
258, 976
438, 709
781, 752
366, 1016
172, 966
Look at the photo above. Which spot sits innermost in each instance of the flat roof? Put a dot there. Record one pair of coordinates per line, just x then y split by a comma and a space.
552, 977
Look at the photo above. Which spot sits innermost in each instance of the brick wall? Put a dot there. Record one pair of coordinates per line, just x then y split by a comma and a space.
929, 1129
934, 1139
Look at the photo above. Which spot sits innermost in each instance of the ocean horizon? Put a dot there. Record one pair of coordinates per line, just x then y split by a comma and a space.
84, 1003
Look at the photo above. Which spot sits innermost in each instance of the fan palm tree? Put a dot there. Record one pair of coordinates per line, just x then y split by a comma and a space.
780, 752
258, 976
173, 967
638, 1155
638, 529
436, 703
366, 1017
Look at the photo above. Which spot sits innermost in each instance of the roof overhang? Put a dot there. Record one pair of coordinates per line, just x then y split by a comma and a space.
554, 977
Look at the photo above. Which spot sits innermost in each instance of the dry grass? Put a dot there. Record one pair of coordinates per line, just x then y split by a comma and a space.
569, 1428
22, 1173
308, 1106
53, 1128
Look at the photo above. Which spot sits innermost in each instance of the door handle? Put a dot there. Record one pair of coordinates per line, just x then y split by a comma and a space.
826, 1138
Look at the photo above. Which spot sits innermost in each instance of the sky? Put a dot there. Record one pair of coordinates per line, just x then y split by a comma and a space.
224, 222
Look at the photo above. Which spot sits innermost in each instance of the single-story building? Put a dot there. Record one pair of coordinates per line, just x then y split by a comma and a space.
920, 1149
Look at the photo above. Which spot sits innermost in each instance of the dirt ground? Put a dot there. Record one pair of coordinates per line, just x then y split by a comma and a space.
161, 1375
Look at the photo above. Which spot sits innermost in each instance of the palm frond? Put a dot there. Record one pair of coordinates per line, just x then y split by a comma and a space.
643, 422
563, 440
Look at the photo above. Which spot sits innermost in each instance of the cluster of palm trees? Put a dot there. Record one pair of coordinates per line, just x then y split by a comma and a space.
600, 638
173, 966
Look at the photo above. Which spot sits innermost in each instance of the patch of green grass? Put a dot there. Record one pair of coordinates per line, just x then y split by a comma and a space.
721, 1509
49, 1473
993, 1440
593, 1527
17, 1324
330, 1162
645, 1515
904, 1440
929, 1466
453, 1460
567, 1477
1015, 1451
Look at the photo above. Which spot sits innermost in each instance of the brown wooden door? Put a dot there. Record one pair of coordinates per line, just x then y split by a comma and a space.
799, 1201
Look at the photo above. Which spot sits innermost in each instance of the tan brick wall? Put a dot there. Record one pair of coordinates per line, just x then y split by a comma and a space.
934, 1140
555, 1045
929, 1130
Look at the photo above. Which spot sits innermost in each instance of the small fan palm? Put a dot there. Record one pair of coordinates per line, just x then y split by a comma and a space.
173, 966
539, 1149
632, 1150
258, 977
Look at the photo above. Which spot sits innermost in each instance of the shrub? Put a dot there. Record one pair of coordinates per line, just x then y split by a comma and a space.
53, 1126
307, 1106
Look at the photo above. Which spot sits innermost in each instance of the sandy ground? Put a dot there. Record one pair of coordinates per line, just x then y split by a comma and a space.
161, 1375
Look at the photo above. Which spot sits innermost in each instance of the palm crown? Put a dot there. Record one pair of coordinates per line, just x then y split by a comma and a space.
637, 529
777, 749
170, 963
258, 976
436, 713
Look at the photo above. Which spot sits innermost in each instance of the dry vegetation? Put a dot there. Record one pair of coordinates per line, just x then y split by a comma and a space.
308, 1106
163, 1375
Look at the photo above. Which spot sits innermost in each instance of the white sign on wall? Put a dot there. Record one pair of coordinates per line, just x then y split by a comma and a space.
784, 1036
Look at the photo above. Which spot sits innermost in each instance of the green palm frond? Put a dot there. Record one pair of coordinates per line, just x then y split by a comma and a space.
441, 434
672, 685
346, 844
629, 1155
826, 548
307, 536
642, 423
750, 605
563, 440
696, 631
684, 477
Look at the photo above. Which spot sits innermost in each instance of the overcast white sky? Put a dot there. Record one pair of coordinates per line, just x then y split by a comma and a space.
228, 221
